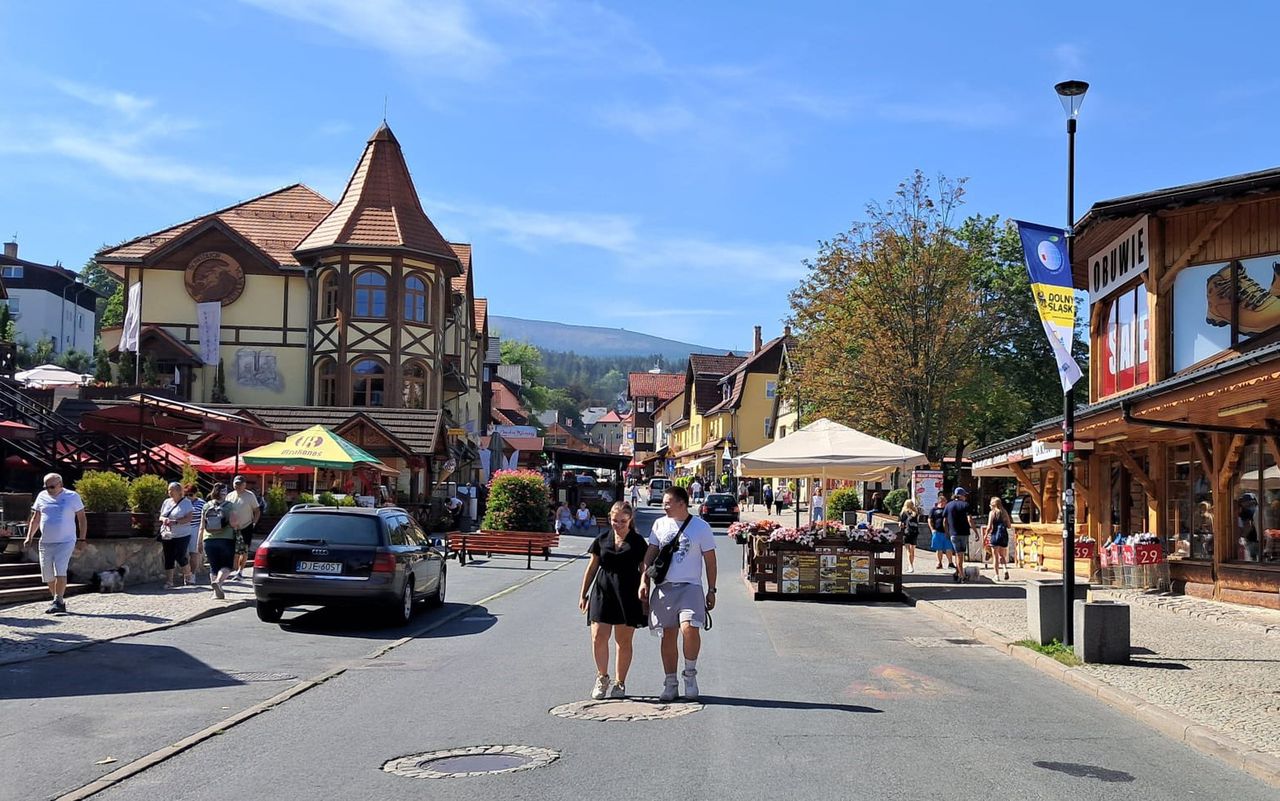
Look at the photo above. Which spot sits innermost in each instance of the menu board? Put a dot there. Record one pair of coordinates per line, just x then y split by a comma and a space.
829, 571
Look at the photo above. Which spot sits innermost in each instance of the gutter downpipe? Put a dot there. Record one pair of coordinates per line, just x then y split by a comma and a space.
310, 277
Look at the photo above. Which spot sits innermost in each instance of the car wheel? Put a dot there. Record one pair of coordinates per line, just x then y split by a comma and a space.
437, 598
402, 612
269, 613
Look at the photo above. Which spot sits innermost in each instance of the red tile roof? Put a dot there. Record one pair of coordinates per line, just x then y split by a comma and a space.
710, 364
273, 222
380, 207
481, 308
610, 417
662, 386
463, 250
767, 360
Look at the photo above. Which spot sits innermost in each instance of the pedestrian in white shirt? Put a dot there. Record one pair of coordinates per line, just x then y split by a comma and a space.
58, 514
678, 605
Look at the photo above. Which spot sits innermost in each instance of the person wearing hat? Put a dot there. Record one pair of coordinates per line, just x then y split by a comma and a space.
244, 513
956, 517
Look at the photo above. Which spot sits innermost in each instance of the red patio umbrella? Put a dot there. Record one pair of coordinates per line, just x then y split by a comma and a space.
14, 432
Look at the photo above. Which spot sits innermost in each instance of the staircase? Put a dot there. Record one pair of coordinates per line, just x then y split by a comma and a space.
20, 581
62, 446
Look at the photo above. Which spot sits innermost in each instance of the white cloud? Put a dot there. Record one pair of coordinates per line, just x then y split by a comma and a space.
123, 102
440, 35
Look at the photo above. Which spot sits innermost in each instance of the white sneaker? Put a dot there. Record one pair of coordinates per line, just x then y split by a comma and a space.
619, 690
911, 568
601, 689
670, 689
690, 684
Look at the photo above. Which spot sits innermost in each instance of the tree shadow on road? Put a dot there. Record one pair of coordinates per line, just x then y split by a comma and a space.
114, 668
776, 703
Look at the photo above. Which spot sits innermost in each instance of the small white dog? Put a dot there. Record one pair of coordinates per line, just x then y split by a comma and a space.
110, 580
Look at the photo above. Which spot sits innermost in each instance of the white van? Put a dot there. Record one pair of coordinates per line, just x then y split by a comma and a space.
657, 486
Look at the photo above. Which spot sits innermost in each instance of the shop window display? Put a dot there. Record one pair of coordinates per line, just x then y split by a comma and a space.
1255, 518
1190, 508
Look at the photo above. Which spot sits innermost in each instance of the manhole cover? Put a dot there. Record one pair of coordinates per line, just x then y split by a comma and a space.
479, 760
942, 642
249, 676
627, 709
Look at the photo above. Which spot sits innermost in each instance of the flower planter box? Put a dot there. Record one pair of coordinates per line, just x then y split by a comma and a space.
143, 524
110, 525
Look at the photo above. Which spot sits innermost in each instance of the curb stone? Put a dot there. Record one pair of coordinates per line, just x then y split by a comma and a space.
65, 647
1212, 743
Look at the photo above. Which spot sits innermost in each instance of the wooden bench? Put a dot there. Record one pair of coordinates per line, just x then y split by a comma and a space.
466, 544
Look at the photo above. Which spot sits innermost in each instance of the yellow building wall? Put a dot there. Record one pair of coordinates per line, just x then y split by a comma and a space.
266, 367
753, 411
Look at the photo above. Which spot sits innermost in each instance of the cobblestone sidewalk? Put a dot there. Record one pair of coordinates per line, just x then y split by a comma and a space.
26, 632
1216, 665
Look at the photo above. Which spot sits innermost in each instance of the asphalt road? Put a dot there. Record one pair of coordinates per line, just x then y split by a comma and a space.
811, 701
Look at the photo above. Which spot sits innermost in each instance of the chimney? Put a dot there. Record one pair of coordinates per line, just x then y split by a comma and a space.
11, 249
759, 343
786, 330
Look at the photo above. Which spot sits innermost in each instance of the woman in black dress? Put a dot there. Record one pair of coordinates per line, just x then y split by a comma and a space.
612, 604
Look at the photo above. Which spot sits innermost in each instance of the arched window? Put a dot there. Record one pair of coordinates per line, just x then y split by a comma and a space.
371, 294
329, 295
368, 381
327, 383
415, 300
415, 386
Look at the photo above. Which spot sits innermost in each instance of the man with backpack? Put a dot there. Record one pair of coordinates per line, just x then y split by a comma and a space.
681, 546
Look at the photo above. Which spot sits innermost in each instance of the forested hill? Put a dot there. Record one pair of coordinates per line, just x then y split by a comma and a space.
589, 340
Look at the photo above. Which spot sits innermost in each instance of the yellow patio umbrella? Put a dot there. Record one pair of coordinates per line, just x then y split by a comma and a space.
315, 447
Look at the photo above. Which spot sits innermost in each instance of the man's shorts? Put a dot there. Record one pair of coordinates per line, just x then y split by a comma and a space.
961, 544
673, 604
54, 558
242, 541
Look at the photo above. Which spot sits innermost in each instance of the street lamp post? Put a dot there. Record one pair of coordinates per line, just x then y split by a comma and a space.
1071, 93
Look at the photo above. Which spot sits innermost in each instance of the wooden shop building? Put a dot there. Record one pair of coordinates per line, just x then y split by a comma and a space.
1181, 435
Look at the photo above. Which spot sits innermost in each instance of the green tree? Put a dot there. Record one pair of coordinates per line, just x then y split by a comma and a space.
150, 374
101, 366
77, 361
7, 329
219, 393
44, 352
128, 370
110, 303
527, 356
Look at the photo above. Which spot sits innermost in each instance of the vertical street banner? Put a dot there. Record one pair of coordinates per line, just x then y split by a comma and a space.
132, 319
1045, 251
209, 321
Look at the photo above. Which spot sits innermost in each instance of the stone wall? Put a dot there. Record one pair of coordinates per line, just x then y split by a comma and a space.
142, 555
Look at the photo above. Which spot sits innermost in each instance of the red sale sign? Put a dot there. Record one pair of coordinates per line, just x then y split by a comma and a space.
1149, 554
1084, 550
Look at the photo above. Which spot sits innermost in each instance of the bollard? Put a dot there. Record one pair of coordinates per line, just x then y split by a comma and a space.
1102, 632
1044, 609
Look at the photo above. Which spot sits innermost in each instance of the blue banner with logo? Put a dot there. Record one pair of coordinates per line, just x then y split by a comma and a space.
1045, 252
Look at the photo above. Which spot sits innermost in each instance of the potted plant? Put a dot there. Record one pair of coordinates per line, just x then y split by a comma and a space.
146, 496
840, 501
106, 503
518, 501
277, 506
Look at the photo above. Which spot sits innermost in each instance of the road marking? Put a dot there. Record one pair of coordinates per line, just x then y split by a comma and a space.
148, 761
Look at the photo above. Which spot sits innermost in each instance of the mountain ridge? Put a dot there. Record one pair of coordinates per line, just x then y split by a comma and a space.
591, 340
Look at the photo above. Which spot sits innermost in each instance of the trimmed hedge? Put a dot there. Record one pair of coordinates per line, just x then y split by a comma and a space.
844, 499
103, 492
894, 500
147, 494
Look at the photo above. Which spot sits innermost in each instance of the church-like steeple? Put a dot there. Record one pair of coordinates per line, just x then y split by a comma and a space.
380, 208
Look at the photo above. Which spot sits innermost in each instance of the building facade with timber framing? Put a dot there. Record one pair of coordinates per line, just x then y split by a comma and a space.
1184, 384
359, 308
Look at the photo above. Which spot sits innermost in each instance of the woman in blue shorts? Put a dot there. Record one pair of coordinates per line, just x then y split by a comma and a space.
939, 541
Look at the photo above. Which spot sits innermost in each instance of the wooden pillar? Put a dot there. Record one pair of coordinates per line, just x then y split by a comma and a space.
1158, 506
1099, 515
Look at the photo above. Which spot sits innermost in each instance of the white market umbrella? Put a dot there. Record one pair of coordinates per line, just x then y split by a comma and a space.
830, 450
48, 375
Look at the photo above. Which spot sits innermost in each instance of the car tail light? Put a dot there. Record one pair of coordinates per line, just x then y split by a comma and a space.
260, 558
384, 563
702, 509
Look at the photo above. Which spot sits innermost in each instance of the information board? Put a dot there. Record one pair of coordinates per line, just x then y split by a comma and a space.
827, 571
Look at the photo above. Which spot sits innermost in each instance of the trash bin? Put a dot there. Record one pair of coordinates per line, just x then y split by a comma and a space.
1102, 632
1045, 611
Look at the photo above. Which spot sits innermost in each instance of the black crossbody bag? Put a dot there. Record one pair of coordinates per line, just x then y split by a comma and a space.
662, 562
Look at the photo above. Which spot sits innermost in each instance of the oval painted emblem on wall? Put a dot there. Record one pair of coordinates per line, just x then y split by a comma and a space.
214, 276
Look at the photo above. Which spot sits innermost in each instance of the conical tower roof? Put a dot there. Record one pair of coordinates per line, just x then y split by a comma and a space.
379, 208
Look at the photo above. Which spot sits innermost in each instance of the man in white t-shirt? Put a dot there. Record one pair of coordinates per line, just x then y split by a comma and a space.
816, 505
242, 504
695, 489
58, 514
678, 606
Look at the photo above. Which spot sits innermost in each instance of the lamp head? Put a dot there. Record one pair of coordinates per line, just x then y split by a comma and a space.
1071, 93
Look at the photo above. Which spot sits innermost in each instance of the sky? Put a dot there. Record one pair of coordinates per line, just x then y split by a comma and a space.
664, 167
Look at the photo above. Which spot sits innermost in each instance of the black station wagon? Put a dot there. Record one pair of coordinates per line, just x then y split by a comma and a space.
327, 556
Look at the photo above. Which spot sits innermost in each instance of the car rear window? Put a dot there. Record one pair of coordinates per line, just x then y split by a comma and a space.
333, 529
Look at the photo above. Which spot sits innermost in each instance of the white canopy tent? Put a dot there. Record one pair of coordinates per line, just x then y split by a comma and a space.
49, 375
828, 449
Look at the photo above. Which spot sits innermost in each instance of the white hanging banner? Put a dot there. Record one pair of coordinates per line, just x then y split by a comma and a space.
209, 321
132, 319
